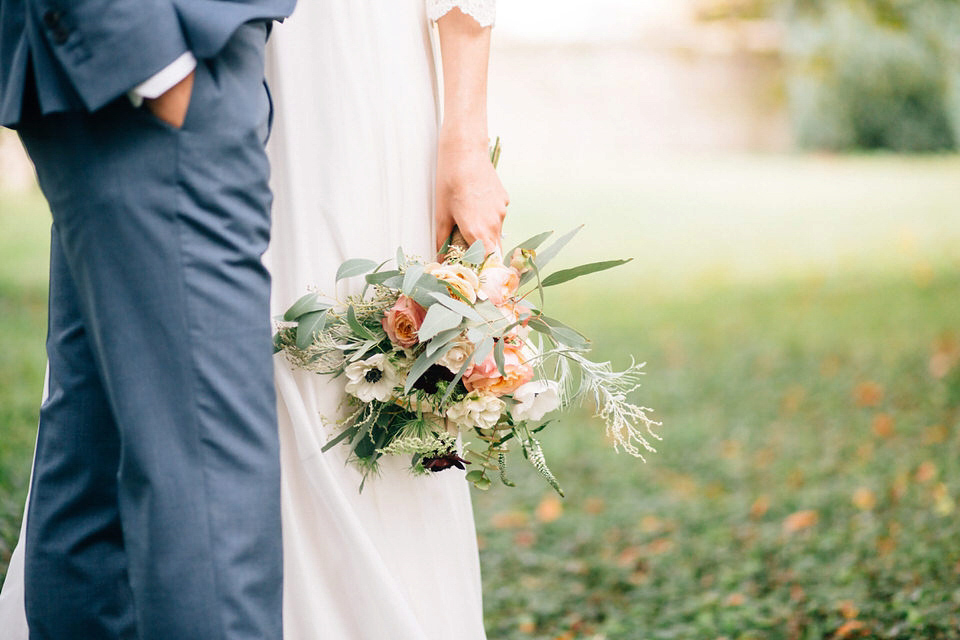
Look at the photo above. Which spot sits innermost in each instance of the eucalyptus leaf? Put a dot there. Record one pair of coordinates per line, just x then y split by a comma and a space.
479, 479
438, 318
475, 254
483, 350
565, 275
498, 357
306, 304
401, 258
346, 434
455, 305
411, 277
550, 253
532, 243
356, 326
381, 277
537, 324
355, 267
308, 326
442, 338
569, 337
429, 282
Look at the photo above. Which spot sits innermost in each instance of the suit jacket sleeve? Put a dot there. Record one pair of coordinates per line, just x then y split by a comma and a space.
107, 47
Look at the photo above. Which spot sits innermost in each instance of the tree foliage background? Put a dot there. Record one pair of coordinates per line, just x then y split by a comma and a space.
868, 74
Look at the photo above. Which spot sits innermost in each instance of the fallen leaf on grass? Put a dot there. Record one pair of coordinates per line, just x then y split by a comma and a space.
524, 539
886, 545
899, 487
660, 545
800, 520
509, 520
883, 425
594, 506
868, 394
650, 524
550, 509
864, 499
796, 479
926, 472
792, 399
735, 600
629, 558
850, 629
936, 434
847, 609
943, 504
730, 449
760, 507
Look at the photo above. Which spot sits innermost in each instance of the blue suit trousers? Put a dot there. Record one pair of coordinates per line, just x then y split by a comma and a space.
155, 505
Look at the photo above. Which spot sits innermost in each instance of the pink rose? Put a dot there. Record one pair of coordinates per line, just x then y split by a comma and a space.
497, 281
403, 321
485, 376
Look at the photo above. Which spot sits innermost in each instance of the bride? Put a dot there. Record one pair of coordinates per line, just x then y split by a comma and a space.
361, 166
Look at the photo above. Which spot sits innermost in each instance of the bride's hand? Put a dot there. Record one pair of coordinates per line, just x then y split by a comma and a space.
470, 195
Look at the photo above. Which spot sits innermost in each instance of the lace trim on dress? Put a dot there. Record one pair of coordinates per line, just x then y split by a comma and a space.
483, 11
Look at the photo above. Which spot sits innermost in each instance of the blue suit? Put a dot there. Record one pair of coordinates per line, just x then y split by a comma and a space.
155, 505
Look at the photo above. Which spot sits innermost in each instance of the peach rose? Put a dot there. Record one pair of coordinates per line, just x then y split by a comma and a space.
457, 278
498, 282
402, 322
486, 377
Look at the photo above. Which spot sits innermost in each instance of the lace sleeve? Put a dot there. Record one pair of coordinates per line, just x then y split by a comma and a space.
483, 11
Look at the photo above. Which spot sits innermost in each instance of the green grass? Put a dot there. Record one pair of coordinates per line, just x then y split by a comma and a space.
826, 384
24, 225
765, 393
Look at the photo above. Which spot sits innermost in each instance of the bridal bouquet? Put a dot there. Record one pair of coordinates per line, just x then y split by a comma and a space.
460, 347
459, 350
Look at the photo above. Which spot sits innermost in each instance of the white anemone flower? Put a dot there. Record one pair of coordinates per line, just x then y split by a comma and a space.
480, 410
372, 379
535, 399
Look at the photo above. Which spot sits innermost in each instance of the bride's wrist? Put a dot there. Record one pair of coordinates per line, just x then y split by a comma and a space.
463, 137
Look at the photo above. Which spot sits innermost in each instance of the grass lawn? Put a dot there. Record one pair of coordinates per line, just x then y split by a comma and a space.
808, 481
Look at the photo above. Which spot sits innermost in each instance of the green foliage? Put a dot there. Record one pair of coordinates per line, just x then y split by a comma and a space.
775, 401
874, 74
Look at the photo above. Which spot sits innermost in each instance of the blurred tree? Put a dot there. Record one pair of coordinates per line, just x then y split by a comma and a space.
874, 74
866, 74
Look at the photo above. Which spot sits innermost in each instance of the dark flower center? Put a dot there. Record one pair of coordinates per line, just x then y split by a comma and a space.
428, 381
373, 376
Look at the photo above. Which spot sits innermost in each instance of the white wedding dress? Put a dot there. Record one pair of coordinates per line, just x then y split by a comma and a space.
355, 89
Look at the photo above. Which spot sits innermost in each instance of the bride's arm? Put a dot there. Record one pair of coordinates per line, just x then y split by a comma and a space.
469, 193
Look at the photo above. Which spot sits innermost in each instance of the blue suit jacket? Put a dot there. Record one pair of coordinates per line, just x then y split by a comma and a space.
83, 54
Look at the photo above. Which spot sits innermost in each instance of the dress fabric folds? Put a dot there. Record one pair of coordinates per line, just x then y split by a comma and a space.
353, 153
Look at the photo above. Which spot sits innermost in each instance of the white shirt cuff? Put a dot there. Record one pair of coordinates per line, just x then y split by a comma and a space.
163, 81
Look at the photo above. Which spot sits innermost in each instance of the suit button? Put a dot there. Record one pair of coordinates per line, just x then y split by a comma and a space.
51, 18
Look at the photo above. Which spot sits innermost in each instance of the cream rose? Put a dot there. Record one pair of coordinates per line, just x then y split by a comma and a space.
402, 322
458, 354
458, 278
485, 376
478, 409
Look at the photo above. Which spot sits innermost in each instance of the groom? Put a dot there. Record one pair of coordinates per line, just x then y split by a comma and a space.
155, 504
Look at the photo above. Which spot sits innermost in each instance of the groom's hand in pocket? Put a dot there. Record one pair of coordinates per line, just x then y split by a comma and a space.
171, 107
